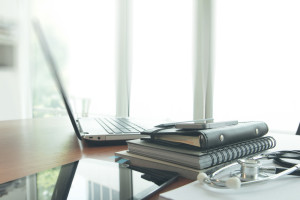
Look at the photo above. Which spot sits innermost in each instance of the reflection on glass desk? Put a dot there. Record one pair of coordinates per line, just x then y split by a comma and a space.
36, 186
88, 179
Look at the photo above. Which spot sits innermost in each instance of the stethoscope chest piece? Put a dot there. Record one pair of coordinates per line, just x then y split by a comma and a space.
250, 169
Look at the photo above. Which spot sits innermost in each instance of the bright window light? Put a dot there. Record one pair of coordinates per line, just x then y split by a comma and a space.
162, 59
257, 48
86, 31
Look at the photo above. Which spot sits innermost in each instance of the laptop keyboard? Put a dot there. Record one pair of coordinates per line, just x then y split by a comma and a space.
118, 125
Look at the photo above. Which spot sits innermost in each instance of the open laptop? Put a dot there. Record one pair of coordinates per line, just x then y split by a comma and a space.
91, 129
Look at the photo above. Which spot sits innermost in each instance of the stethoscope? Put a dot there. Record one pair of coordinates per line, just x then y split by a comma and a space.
251, 171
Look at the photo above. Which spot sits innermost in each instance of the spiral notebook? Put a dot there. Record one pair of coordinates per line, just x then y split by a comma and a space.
198, 159
147, 162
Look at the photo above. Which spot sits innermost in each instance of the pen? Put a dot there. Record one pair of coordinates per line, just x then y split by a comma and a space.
171, 124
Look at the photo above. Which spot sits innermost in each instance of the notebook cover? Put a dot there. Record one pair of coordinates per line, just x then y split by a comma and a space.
210, 138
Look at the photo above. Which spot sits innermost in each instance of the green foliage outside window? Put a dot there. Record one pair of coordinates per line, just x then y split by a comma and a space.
46, 183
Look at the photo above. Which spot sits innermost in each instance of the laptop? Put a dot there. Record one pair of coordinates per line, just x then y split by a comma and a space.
99, 129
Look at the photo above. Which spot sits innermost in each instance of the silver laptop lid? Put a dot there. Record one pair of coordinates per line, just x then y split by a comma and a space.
54, 69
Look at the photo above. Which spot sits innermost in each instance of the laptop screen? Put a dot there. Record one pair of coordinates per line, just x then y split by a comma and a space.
53, 67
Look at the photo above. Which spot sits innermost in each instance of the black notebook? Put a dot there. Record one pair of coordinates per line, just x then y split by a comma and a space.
200, 159
211, 137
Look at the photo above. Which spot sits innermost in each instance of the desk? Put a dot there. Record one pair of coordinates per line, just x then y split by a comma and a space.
32, 145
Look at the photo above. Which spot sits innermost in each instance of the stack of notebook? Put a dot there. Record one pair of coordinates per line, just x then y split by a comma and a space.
189, 152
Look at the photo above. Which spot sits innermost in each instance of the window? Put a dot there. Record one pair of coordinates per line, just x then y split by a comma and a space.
159, 50
162, 59
257, 48
82, 36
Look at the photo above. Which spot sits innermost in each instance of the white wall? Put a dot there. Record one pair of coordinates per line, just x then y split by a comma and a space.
15, 92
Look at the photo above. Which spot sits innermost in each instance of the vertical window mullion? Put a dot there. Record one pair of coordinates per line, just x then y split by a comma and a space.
123, 70
203, 69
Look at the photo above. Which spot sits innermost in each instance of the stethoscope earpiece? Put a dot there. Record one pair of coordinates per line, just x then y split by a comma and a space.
201, 177
233, 183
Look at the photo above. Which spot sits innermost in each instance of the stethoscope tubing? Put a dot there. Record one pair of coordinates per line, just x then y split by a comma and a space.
287, 168
279, 170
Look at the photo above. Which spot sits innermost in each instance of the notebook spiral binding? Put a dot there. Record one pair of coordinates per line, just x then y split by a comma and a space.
240, 150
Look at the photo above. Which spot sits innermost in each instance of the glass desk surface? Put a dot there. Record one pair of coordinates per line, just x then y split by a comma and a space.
88, 179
